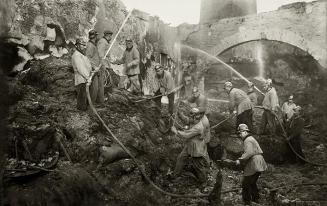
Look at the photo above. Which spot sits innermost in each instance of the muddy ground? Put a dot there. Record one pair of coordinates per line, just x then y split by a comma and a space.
46, 111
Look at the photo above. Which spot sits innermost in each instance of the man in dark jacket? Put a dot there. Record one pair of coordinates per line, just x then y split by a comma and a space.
294, 132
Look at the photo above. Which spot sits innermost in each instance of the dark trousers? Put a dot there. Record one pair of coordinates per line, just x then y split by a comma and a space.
296, 144
245, 117
199, 167
81, 97
268, 118
250, 190
171, 99
97, 87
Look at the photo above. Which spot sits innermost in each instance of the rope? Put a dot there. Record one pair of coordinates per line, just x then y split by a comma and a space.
289, 144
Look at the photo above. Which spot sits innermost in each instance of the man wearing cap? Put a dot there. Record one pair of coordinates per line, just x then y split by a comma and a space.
252, 95
195, 147
199, 99
294, 133
103, 46
131, 60
164, 86
96, 92
270, 104
82, 70
240, 104
287, 110
254, 165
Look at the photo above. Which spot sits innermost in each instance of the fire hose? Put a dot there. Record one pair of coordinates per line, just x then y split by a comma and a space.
289, 144
219, 123
160, 95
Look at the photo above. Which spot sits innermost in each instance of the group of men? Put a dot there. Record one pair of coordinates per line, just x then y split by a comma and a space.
92, 58
197, 135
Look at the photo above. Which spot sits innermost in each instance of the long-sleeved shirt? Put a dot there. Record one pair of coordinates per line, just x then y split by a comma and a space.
253, 98
166, 81
131, 60
270, 100
195, 140
253, 157
287, 110
92, 53
103, 46
239, 100
82, 67
201, 102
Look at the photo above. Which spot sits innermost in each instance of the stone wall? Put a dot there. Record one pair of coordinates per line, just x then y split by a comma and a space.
214, 10
303, 26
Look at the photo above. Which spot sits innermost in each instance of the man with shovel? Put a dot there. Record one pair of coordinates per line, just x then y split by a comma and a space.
164, 86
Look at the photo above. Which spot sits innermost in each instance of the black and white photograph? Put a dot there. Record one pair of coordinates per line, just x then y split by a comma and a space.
163, 102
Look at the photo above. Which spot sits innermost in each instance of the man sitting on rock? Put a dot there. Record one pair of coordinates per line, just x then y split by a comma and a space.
195, 147
254, 165
165, 86
240, 104
82, 70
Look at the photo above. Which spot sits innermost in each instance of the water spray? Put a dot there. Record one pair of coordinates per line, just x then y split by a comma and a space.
222, 62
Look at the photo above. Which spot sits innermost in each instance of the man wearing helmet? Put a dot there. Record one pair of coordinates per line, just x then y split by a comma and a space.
294, 133
270, 104
253, 162
131, 60
240, 104
97, 95
165, 85
82, 70
195, 147
199, 99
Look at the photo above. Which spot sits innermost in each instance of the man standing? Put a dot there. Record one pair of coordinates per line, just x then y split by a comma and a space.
103, 46
165, 86
270, 104
240, 104
254, 164
252, 95
131, 60
82, 70
195, 147
288, 110
294, 132
96, 89
200, 100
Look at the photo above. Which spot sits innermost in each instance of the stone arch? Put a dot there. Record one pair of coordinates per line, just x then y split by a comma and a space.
318, 52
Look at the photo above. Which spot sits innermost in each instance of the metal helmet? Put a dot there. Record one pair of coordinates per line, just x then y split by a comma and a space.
228, 84
242, 127
195, 110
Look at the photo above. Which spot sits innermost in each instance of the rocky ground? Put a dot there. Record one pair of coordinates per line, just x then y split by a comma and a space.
45, 120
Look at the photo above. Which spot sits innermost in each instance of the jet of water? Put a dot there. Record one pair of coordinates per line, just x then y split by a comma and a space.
222, 62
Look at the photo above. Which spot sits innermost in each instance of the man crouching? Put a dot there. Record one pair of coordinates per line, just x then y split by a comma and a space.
195, 147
